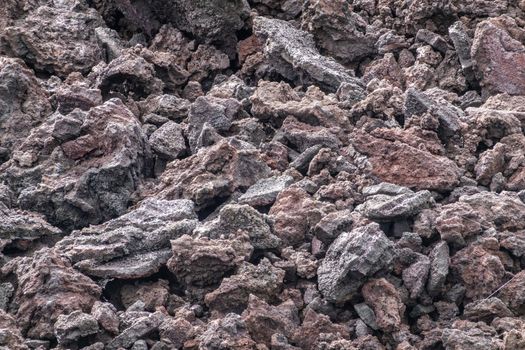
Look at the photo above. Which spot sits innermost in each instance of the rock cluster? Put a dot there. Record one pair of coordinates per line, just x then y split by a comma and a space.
262, 174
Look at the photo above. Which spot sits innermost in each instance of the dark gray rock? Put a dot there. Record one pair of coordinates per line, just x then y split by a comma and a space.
389, 208
142, 327
168, 141
351, 258
366, 314
439, 265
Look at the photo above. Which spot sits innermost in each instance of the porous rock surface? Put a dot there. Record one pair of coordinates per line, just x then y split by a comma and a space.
262, 174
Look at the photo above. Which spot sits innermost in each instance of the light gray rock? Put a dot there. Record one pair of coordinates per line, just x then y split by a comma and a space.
388, 208
134, 245
70, 328
366, 314
293, 53
6, 292
265, 191
351, 258
439, 266
168, 141
139, 329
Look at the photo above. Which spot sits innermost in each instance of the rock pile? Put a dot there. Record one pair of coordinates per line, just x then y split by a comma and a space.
262, 174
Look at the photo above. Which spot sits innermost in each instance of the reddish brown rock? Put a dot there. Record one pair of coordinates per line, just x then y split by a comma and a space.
498, 51
11, 336
513, 294
386, 302
48, 287
152, 294
295, 213
405, 165
314, 326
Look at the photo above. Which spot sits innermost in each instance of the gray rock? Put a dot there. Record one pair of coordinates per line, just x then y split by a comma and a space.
351, 258
72, 327
302, 161
332, 225
293, 54
57, 40
140, 345
486, 310
366, 314
139, 329
415, 276
265, 191
387, 189
168, 141
134, 245
106, 316
433, 39
235, 219
6, 292
389, 208
439, 266
462, 44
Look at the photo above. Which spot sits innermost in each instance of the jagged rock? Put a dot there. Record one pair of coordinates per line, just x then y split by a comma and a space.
332, 225
177, 331
351, 258
203, 262
168, 141
305, 264
513, 294
388, 208
70, 328
140, 328
479, 269
134, 245
6, 292
263, 320
152, 294
486, 310
338, 30
86, 178
213, 173
301, 136
295, 212
262, 280
497, 50
217, 113
229, 332
415, 168
462, 44
47, 287
291, 51
415, 276
22, 227
169, 106
56, 40
234, 220
386, 302
23, 104
367, 315
265, 191
313, 327
439, 267
10, 336
106, 316
470, 335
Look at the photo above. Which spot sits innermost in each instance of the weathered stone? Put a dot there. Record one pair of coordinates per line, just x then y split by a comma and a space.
439, 266
56, 40
470, 335
313, 327
134, 245
168, 141
263, 281
513, 294
10, 336
389, 208
213, 173
140, 328
84, 180
229, 332
366, 314
386, 302
152, 294
415, 276
234, 220
486, 310
203, 262
265, 191
47, 287
351, 258
106, 316
497, 51
290, 50
70, 328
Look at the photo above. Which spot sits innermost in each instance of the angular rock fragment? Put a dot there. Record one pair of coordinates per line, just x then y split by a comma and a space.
87, 177
140, 328
229, 332
200, 263
265, 191
134, 245
386, 302
439, 267
11, 337
106, 316
168, 141
388, 208
262, 280
291, 50
56, 40
70, 328
351, 258
213, 173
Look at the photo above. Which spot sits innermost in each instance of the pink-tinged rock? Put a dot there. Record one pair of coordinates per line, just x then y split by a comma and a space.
386, 302
499, 53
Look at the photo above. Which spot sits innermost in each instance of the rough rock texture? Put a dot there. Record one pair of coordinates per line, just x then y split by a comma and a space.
351, 258
262, 174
